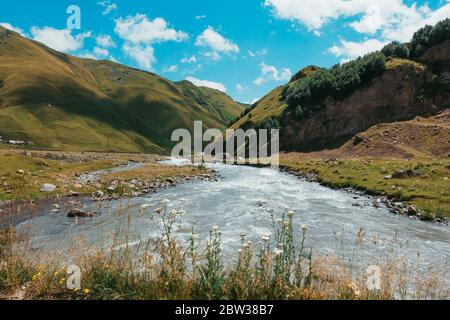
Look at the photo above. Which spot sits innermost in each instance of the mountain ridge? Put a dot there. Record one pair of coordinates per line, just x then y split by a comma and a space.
59, 101
325, 108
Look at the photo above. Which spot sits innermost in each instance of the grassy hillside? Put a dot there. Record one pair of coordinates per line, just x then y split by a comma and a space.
322, 108
63, 102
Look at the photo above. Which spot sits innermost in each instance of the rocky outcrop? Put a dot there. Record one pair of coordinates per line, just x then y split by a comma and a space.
401, 93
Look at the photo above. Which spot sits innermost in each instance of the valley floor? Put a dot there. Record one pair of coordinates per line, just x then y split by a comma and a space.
26, 177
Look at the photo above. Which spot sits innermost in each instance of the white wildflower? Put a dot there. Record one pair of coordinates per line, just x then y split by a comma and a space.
165, 202
278, 252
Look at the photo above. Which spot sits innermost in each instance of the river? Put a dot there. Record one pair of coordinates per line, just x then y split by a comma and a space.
242, 201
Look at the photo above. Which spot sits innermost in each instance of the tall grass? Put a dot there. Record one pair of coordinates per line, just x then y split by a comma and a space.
277, 267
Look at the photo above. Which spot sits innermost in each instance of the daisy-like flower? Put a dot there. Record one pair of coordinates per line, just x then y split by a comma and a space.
265, 238
291, 214
304, 227
278, 252
215, 228
145, 206
158, 210
165, 202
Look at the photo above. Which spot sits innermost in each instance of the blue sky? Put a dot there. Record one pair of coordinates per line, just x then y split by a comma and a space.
243, 47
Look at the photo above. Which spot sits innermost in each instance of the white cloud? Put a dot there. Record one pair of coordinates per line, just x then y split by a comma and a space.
206, 83
105, 41
216, 44
108, 6
60, 40
212, 55
348, 50
139, 29
200, 17
101, 52
394, 19
12, 28
241, 88
143, 55
172, 68
271, 73
139, 34
253, 54
192, 59
382, 20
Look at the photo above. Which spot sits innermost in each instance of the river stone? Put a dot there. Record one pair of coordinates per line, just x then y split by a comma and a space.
403, 174
80, 214
48, 187
73, 193
99, 194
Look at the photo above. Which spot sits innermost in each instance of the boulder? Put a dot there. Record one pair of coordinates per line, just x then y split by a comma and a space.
80, 213
99, 194
73, 193
403, 174
48, 187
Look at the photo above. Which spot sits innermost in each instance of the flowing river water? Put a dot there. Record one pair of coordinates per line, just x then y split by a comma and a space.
243, 201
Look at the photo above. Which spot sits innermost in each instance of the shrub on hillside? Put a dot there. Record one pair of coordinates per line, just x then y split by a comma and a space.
308, 94
429, 36
396, 49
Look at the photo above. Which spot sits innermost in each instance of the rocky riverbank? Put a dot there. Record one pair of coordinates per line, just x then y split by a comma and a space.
129, 179
394, 205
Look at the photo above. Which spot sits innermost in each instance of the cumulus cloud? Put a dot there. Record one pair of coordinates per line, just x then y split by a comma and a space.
12, 28
192, 59
380, 20
206, 83
215, 43
101, 52
105, 41
59, 39
143, 55
385, 20
271, 73
200, 17
171, 69
348, 50
241, 88
140, 29
108, 7
140, 33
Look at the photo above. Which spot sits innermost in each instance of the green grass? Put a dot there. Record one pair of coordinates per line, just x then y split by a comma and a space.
97, 105
279, 267
37, 171
430, 191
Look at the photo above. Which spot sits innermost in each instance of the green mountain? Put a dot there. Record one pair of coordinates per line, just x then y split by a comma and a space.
325, 108
62, 102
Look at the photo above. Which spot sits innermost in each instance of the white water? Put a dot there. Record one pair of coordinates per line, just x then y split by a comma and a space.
235, 205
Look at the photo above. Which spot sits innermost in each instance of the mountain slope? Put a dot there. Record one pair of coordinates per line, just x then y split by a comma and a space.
322, 108
59, 101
